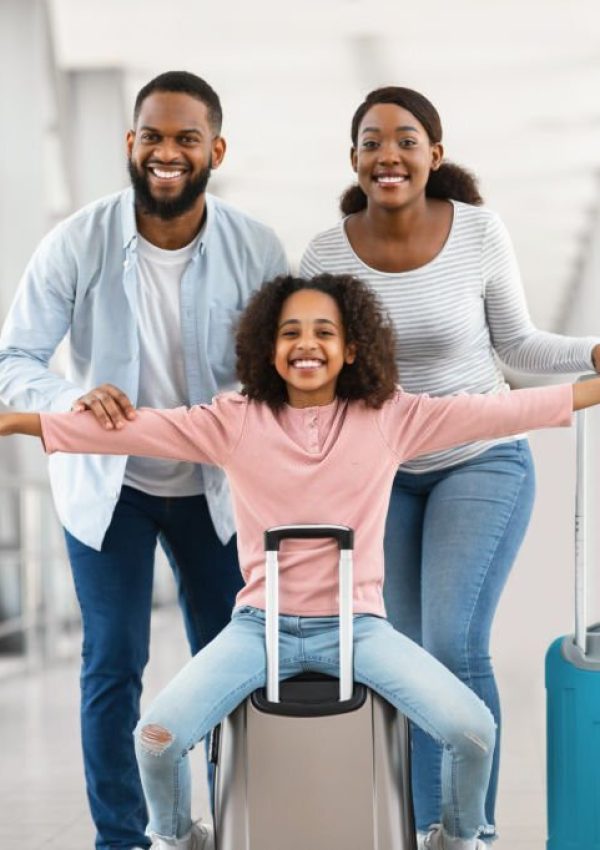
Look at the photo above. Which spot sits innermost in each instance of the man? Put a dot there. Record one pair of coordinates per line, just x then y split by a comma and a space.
149, 283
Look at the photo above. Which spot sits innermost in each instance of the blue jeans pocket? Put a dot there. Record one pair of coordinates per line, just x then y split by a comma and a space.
248, 610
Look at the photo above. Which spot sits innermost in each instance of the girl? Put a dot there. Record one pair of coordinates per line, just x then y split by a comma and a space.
445, 270
317, 432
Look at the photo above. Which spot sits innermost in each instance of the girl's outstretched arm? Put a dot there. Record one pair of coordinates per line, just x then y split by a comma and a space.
416, 424
201, 434
20, 423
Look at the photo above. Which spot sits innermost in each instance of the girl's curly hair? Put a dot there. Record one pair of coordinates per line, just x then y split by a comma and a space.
373, 375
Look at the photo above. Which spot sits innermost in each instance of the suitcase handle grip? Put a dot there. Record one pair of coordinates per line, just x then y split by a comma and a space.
343, 535
345, 540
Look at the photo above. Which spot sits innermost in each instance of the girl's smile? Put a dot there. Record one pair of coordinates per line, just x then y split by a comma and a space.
310, 348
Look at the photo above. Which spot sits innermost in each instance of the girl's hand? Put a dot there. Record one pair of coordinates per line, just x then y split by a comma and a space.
20, 423
5, 424
596, 357
586, 393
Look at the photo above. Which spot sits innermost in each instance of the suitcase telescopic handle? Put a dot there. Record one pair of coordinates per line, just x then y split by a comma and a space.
344, 537
581, 513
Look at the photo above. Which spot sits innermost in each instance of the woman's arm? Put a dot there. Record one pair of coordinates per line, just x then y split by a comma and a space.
20, 423
515, 338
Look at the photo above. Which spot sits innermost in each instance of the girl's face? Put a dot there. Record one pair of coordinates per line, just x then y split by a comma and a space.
310, 348
393, 156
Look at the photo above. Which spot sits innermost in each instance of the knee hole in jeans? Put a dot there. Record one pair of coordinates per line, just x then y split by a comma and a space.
155, 739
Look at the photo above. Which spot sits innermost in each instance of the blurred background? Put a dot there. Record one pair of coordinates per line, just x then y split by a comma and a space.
516, 83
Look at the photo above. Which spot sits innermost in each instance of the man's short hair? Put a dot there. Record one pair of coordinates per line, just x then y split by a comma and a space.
187, 83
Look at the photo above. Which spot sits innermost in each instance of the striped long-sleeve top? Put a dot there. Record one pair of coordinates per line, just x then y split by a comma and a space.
457, 316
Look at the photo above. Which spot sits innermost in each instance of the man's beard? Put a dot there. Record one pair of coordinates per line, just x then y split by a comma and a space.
172, 208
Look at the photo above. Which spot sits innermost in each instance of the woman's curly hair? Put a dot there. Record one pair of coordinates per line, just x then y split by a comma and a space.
372, 377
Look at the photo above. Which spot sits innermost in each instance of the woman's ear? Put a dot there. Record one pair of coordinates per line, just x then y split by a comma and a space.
350, 354
437, 155
353, 160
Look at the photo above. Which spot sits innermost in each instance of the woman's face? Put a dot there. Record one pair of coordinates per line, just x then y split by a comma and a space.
393, 156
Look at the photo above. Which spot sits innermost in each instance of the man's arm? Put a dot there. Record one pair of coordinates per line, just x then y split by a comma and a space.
37, 321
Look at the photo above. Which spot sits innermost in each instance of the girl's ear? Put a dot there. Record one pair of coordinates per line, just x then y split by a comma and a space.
350, 354
354, 159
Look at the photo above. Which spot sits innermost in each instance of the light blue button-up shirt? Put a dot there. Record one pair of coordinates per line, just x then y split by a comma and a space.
82, 280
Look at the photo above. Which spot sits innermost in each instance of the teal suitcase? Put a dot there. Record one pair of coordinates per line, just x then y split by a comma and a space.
573, 706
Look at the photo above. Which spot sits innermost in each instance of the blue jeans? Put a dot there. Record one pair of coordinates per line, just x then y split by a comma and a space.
216, 680
451, 539
114, 588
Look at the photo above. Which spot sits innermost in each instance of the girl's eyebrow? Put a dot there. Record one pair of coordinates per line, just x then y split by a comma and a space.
316, 321
404, 128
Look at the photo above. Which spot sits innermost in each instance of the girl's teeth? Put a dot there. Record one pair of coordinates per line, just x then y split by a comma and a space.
307, 364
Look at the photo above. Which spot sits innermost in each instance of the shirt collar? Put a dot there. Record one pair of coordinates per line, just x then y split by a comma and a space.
129, 228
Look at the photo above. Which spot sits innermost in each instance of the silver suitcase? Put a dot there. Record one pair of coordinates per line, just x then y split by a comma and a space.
313, 763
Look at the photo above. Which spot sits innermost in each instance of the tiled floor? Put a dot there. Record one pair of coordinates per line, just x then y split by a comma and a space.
42, 797
42, 794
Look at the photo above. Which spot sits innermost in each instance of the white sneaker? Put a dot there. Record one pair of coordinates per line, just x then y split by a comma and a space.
200, 837
435, 840
203, 837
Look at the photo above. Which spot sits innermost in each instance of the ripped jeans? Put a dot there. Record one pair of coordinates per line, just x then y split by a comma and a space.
226, 671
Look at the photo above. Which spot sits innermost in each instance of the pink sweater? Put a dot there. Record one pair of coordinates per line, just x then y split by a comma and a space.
332, 464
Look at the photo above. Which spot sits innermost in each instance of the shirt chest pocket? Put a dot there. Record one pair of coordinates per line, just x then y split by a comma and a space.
222, 325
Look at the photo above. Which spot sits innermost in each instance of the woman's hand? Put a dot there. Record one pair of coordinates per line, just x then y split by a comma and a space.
20, 423
596, 357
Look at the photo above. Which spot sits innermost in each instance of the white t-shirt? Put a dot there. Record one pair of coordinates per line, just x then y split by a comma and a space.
162, 371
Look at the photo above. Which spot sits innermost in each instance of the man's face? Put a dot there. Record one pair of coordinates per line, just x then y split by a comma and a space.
171, 152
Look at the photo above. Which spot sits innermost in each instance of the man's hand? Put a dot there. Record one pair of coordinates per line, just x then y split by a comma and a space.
109, 404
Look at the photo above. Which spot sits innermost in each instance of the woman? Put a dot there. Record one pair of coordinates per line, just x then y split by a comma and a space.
445, 270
